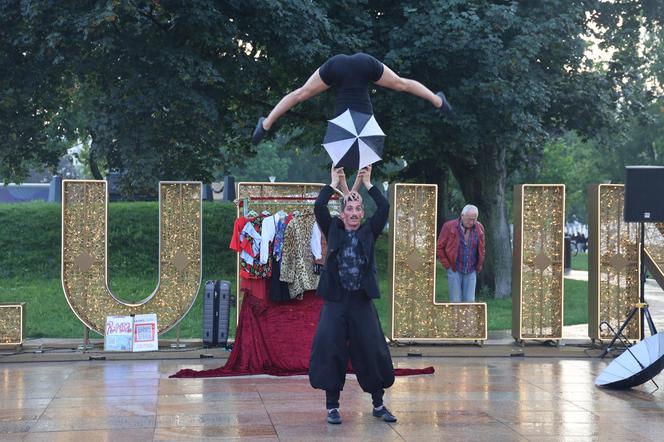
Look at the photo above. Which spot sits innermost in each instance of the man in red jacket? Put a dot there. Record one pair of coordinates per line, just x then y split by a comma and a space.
461, 251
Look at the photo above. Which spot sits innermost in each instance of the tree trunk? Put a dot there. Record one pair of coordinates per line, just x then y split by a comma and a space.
94, 168
433, 173
484, 186
92, 158
442, 179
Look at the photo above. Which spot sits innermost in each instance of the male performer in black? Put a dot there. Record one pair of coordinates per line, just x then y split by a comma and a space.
349, 324
351, 76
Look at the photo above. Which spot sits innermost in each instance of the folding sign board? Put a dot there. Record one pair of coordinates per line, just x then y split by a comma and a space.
119, 332
146, 336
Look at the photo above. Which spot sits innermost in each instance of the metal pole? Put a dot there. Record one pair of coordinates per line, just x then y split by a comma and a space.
619, 333
177, 343
642, 271
86, 340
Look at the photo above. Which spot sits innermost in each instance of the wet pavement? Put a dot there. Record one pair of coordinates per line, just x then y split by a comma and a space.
481, 398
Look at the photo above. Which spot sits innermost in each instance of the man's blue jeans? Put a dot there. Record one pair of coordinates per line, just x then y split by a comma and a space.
462, 287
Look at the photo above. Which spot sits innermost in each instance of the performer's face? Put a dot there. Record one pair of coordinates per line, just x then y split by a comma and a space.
352, 215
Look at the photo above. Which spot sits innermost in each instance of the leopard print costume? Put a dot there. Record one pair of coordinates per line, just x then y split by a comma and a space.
297, 260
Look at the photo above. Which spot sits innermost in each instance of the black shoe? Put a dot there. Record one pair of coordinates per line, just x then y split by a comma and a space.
333, 417
385, 414
446, 108
259, 132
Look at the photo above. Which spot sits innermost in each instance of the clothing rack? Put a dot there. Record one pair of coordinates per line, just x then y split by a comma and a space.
259, 196
297, 203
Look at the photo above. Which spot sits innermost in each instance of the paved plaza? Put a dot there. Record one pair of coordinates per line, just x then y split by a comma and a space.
493, 399
500, 392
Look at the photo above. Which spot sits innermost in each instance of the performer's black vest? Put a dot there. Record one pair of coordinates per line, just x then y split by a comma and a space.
329, 286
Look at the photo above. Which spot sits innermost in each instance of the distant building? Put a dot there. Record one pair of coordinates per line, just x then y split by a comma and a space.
42, 185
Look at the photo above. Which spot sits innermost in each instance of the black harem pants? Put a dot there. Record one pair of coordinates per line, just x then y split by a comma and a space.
350, 327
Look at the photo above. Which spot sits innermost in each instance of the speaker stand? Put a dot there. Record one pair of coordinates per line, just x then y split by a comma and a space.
641, 307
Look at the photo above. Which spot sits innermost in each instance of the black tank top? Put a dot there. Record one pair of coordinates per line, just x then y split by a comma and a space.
351, 75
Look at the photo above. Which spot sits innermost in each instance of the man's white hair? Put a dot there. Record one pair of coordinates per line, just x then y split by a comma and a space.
469, 208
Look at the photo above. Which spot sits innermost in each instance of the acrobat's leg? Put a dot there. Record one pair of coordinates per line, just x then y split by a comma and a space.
312, 87
392, 81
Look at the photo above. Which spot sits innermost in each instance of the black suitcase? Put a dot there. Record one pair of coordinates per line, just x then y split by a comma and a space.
216, 313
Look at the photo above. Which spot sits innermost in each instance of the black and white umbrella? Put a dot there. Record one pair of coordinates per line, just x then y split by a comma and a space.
354, 140
638, 364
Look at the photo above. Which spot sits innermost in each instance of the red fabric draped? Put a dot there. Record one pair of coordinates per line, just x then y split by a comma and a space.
275, 339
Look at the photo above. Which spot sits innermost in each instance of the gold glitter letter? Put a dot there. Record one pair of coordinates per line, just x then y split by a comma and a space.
12, 322
84, 254
537, 266
613, 262
416, 316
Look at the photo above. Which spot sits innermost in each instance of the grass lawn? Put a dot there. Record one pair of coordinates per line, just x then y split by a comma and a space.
30, 267
580, 262
49, 315
576, 302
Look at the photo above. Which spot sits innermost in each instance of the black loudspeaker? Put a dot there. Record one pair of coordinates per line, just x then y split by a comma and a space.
229, 188
207, 192
644, 194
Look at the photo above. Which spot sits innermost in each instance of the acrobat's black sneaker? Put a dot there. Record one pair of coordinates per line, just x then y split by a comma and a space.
446, 108
384, 414
259, 132
333, 416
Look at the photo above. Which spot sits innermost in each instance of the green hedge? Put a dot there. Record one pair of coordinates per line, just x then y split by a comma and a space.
30, 266
30, 240
30, 260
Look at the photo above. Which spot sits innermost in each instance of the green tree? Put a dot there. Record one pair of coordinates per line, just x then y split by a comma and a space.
33, 94
270, 162
159, 86
576, 163
517, 72
640, 143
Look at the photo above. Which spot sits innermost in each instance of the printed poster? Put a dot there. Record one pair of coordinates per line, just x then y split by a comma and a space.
119, 333
146, 333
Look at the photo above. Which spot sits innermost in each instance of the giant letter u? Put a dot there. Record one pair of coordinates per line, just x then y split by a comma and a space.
84, 254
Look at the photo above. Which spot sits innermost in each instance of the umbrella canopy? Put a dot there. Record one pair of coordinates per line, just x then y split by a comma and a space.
639, 364
354, 140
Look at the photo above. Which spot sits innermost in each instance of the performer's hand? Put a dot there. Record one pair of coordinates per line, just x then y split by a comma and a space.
365, 175
343, 185
337, 175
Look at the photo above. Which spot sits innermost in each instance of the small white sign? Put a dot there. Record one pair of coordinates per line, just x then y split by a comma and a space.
146, 332
119, 333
